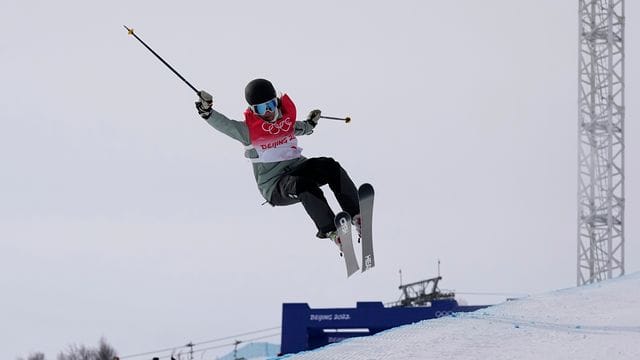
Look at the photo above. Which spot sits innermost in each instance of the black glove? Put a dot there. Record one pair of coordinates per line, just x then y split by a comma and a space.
204, 104
313, 117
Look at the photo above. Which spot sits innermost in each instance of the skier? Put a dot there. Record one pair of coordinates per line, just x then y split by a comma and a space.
283, 175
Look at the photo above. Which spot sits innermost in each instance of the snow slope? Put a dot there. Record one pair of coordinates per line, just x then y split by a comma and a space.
600, 321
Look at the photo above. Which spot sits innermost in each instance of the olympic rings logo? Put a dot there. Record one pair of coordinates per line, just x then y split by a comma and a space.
275, 128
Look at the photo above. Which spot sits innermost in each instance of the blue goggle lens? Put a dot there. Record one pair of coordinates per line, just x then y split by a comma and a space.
261, 109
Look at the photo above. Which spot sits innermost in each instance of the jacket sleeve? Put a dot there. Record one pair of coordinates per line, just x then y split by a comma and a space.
304, 128
235, 129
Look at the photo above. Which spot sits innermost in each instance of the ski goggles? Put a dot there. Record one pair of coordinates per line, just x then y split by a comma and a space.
262, 109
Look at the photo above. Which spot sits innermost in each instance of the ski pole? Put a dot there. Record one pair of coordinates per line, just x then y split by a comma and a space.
345, 119
160, 58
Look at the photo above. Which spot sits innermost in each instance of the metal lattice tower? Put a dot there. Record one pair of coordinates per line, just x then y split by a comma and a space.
601, 140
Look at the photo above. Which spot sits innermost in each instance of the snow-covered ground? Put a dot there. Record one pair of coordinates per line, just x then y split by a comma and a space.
600, 321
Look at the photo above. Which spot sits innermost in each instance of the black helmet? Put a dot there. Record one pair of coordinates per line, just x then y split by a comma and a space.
259, 91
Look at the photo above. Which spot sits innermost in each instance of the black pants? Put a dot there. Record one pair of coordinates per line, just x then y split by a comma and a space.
303, 184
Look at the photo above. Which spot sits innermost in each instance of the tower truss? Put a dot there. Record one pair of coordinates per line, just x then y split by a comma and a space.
600, 140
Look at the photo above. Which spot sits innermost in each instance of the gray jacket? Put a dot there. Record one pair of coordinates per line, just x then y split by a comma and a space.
266, 174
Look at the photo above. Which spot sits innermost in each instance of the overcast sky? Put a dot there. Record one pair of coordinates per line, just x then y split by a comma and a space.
124, 215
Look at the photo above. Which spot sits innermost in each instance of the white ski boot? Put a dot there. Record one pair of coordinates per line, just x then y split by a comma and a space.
356, 221
333, 236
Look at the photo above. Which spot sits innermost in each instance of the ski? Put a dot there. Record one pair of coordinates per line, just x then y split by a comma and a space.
366, 194
343, 225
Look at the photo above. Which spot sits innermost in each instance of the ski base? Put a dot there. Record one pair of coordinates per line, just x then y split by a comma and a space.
366, 195
343, 226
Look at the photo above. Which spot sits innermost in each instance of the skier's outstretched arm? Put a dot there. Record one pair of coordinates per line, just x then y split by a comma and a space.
306, 127
232, 128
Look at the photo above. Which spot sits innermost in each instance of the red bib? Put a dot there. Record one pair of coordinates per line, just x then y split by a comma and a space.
274, 141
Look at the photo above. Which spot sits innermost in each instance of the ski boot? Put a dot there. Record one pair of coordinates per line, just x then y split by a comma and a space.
333, 236
356, 221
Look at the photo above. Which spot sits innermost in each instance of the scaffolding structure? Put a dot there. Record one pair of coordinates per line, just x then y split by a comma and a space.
600, 140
